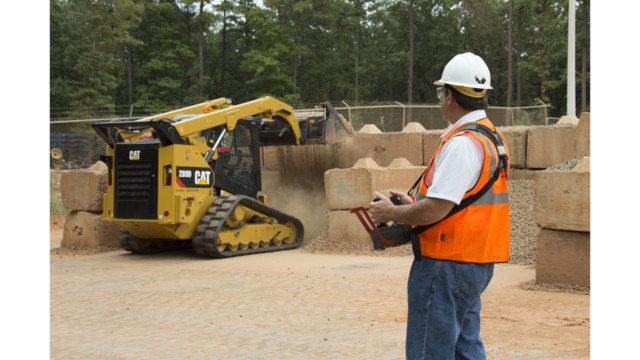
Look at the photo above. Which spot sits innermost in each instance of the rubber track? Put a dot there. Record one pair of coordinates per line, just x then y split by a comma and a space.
205, 238
147, 246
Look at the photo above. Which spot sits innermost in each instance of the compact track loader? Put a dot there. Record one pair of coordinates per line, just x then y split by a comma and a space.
191, 177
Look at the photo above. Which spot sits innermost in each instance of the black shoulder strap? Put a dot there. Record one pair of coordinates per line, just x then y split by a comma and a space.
502, 164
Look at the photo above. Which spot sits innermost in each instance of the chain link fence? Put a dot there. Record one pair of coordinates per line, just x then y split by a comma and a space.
74, 144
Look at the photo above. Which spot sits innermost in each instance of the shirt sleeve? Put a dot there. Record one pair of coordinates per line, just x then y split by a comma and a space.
457, 169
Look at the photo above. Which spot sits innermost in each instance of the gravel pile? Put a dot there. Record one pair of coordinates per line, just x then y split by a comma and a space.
568, 288
524, 229
322, 244
523, 232
79, 251
565, 166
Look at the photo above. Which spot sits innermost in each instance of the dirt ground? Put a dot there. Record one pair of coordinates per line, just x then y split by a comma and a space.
283, 305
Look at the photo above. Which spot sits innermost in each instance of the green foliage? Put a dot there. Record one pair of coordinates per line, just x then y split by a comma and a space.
55, 204
299, 50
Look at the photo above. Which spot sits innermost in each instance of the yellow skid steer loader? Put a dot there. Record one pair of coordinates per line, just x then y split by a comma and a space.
191, 177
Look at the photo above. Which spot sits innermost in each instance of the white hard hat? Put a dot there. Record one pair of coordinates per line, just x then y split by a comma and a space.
467, 70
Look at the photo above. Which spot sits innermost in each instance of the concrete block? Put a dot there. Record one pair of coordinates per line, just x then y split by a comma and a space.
83, 189
563, 257
85, 230
369, 129
561, 199
99, 166
549, 145
582, 165
269, 158
516, 138
400, 163
305, 165
522, 174
583, 135
568, 120
382, 148
413, 127
345, 226
366, 163
430, 142
350, 188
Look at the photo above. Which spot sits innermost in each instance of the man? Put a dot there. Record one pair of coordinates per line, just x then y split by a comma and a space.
463, 196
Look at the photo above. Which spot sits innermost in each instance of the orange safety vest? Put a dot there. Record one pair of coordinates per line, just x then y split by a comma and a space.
478, 233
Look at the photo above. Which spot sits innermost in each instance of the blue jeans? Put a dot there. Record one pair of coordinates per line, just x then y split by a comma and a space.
444, 309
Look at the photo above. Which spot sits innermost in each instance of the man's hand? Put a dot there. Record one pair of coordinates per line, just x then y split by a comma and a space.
404, 198
381, 210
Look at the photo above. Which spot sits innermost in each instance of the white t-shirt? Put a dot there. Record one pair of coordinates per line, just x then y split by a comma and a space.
459, 163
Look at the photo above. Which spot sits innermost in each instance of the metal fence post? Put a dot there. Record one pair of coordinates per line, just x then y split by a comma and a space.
403, 112
348, 109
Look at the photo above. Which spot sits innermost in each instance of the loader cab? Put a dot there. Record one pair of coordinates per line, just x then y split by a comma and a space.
237, 169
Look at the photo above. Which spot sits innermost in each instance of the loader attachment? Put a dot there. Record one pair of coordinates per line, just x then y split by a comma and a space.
317, 126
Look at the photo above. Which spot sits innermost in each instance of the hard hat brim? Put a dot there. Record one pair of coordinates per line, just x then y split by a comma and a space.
442, 83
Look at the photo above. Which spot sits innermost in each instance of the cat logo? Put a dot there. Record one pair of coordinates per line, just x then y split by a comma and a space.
480, 81
134, 155
202, 177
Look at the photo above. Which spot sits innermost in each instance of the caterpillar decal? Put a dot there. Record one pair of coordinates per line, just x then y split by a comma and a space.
190, 177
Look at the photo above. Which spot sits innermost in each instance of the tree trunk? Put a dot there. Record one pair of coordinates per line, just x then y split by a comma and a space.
510, 56
356, 45
411, 61
583, 85
223, 55
247, 28
296, 56
518, 85
201, 51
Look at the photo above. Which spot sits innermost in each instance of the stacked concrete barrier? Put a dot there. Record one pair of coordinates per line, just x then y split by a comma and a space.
583, 135
562, 210
549, 145
354, 187
82, 191
516, 138
301, 170
431, 139
382, 147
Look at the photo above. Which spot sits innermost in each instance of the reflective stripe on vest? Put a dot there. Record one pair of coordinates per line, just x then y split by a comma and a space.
480, 232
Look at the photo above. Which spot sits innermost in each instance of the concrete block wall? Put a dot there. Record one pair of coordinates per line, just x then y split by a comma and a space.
516, 138
383, 148
86, 230
350, 188
82, 191
354, 187
430, 142
561, 199
530, 147
583, 136
550, 145
562, 210
345, 226
563, 257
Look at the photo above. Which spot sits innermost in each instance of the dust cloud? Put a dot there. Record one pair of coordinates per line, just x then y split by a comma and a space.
307, 204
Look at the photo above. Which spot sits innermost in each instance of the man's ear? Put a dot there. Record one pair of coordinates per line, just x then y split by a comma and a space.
449, 98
